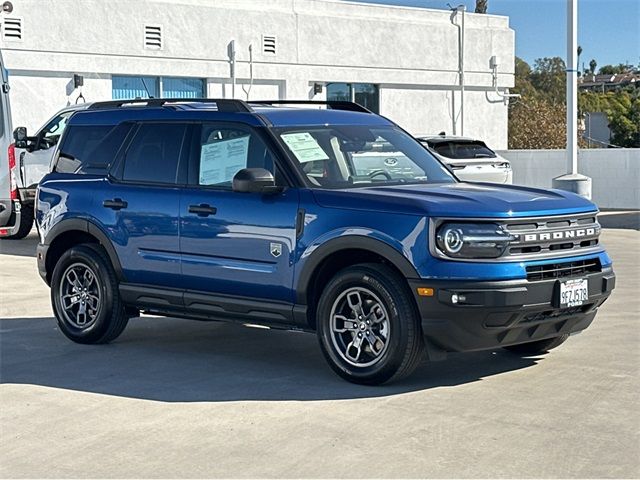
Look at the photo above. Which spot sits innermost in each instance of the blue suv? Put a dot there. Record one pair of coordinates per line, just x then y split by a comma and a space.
329, 220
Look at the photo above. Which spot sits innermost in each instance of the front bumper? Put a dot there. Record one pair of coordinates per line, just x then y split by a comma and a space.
498, 314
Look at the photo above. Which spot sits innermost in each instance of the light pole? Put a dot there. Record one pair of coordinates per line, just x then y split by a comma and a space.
572, 180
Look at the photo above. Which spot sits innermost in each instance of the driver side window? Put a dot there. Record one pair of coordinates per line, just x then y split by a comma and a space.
51, 133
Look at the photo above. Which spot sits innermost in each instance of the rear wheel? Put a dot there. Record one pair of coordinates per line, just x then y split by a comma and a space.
536, 348
26, 223
368, 326
85, 296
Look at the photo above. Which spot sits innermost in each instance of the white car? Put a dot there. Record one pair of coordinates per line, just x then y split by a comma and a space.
470, 159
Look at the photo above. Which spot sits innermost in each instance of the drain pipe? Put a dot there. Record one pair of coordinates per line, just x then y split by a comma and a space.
456, 10
572, 180
231, 50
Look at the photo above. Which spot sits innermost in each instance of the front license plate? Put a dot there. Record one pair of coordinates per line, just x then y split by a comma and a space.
574, 293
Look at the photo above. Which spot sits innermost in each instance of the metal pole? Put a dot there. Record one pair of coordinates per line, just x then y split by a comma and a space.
572, 180
572, 90
462, 8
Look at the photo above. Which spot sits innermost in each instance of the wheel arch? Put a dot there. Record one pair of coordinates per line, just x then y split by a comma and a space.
71, 232
339, 253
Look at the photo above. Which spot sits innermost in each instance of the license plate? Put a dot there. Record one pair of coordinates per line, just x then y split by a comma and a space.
574, 293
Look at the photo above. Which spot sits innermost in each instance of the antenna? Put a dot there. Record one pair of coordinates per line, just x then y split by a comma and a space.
145, 87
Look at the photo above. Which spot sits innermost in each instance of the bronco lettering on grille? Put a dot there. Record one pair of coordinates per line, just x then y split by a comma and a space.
562, 235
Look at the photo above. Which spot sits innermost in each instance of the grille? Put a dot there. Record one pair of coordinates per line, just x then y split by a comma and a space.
548, 315
552, 236
562, 270
153, 37
269, 44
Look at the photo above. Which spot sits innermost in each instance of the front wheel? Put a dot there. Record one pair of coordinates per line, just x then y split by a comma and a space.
537, 348
85, 296
368, 327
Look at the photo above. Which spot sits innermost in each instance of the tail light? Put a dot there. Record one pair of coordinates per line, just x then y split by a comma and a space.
13, 180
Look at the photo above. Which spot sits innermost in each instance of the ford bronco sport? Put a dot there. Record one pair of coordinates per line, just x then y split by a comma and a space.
329, 220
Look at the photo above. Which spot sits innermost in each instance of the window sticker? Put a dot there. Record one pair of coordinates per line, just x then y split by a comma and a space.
221, 160
304, 147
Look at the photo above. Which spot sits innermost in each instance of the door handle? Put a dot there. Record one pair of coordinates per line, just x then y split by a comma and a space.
115, 204
203, 210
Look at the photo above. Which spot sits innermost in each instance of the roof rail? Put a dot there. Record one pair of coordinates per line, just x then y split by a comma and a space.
332, 104
223, 104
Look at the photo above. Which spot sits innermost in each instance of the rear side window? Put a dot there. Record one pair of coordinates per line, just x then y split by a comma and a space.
463, 150
90, 148
154, 154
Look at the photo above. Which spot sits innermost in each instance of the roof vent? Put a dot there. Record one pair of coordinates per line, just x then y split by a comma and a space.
153, 37
12, 29
269, 44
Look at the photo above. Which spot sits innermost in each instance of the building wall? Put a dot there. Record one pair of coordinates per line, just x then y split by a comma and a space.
410, 53
614, 172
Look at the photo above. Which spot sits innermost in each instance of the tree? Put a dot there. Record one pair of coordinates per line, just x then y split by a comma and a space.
549, 77
481, 6
592, 66
537, 123
579, 53
614, 69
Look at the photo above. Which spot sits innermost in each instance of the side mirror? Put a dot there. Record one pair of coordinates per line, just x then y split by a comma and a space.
255, 180
20, 137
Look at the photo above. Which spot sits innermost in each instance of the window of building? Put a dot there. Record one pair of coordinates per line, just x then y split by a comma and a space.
154, 153
128, 87
365, 94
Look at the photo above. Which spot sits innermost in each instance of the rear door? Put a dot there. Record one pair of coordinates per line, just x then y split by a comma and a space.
234, 243
139, 207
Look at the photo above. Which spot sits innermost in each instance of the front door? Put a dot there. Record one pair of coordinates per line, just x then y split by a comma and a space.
232, 243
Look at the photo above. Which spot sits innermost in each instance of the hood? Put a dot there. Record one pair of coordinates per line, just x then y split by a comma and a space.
469, 200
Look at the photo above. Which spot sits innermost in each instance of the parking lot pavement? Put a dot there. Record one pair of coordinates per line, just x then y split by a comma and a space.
177, 398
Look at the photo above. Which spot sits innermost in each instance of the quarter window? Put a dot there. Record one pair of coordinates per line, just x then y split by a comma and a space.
90, 147
154, 154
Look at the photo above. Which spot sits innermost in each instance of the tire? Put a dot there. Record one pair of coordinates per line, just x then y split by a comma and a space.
536, 348
104, 317
390, 346
26, 223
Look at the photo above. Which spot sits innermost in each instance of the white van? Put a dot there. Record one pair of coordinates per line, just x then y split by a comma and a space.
28, 159
10, 205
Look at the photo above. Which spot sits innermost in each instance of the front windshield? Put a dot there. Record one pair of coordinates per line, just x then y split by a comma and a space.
346, 156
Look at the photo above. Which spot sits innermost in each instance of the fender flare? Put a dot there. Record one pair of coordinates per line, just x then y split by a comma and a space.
92, 229
360, 242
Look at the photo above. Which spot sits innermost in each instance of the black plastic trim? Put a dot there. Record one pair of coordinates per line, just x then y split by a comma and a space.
88, 227
209, 306
347, 243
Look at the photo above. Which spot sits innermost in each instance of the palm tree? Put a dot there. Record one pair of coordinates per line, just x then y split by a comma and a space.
481, 6
579, 53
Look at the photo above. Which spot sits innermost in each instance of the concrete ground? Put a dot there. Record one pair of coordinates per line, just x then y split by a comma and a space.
177, 398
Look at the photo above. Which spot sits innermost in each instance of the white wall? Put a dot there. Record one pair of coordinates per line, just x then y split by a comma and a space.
411, 53
615, 172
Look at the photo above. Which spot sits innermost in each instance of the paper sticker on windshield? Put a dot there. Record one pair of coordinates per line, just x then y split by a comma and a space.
304, 147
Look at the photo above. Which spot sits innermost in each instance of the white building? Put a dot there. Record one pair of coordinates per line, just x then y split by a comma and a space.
402, 62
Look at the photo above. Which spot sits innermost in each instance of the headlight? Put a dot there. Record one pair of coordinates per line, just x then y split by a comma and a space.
503, 165
468, 240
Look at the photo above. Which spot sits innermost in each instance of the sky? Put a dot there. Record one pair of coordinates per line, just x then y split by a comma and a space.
608, 30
